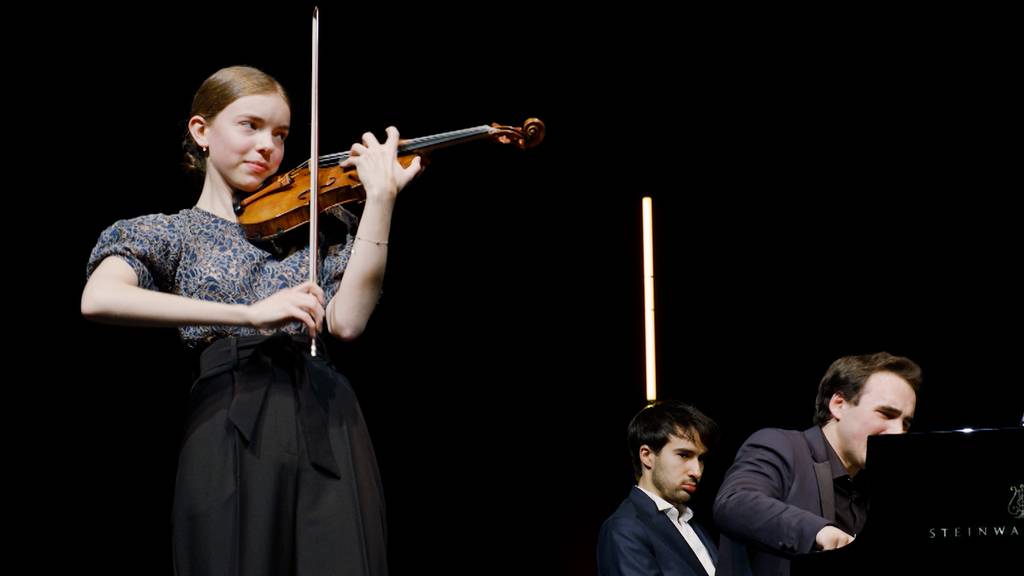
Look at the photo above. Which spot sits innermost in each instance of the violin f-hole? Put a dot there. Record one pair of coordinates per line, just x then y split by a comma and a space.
304, 195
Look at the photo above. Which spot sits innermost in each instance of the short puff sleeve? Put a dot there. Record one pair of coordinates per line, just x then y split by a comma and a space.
151, 245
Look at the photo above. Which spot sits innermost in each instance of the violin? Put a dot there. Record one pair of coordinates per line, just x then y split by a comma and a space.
282, 205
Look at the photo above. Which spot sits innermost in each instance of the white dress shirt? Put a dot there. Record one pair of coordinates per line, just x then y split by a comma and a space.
680, 518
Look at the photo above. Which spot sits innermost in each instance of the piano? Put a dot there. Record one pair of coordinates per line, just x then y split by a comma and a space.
941, 503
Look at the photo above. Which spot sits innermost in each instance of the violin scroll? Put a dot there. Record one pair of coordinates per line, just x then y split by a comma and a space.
528, 136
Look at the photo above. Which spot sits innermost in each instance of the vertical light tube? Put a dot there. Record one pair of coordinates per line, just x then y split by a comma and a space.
652, 386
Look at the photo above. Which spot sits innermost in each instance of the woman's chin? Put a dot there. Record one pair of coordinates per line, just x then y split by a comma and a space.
248, 186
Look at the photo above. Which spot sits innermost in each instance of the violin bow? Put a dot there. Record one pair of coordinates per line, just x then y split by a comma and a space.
314, 166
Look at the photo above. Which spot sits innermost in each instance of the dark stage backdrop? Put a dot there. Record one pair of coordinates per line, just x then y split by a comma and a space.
816, 194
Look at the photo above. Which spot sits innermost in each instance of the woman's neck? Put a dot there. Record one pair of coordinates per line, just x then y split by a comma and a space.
217, 197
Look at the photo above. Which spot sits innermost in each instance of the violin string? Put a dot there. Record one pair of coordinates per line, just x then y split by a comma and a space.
412, 144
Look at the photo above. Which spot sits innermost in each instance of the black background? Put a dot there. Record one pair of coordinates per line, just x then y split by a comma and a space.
823, 185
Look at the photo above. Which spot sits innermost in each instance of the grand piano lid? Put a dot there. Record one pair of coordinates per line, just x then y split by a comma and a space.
941, 503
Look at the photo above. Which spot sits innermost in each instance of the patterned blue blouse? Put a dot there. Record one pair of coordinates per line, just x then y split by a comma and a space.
197, 254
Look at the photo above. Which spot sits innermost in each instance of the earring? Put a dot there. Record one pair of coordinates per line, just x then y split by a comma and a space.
204, 149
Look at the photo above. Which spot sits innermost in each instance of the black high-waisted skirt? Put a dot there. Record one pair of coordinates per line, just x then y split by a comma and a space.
277, 475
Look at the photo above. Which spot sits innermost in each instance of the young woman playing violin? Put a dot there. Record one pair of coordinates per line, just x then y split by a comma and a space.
276, 474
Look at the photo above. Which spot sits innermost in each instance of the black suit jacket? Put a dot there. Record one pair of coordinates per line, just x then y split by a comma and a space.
637, 540
775, 498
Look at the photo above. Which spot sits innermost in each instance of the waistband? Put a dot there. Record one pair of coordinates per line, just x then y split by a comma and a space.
251, 359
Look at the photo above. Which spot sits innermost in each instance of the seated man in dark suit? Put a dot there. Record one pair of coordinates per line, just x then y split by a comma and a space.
652, 532
791, 492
